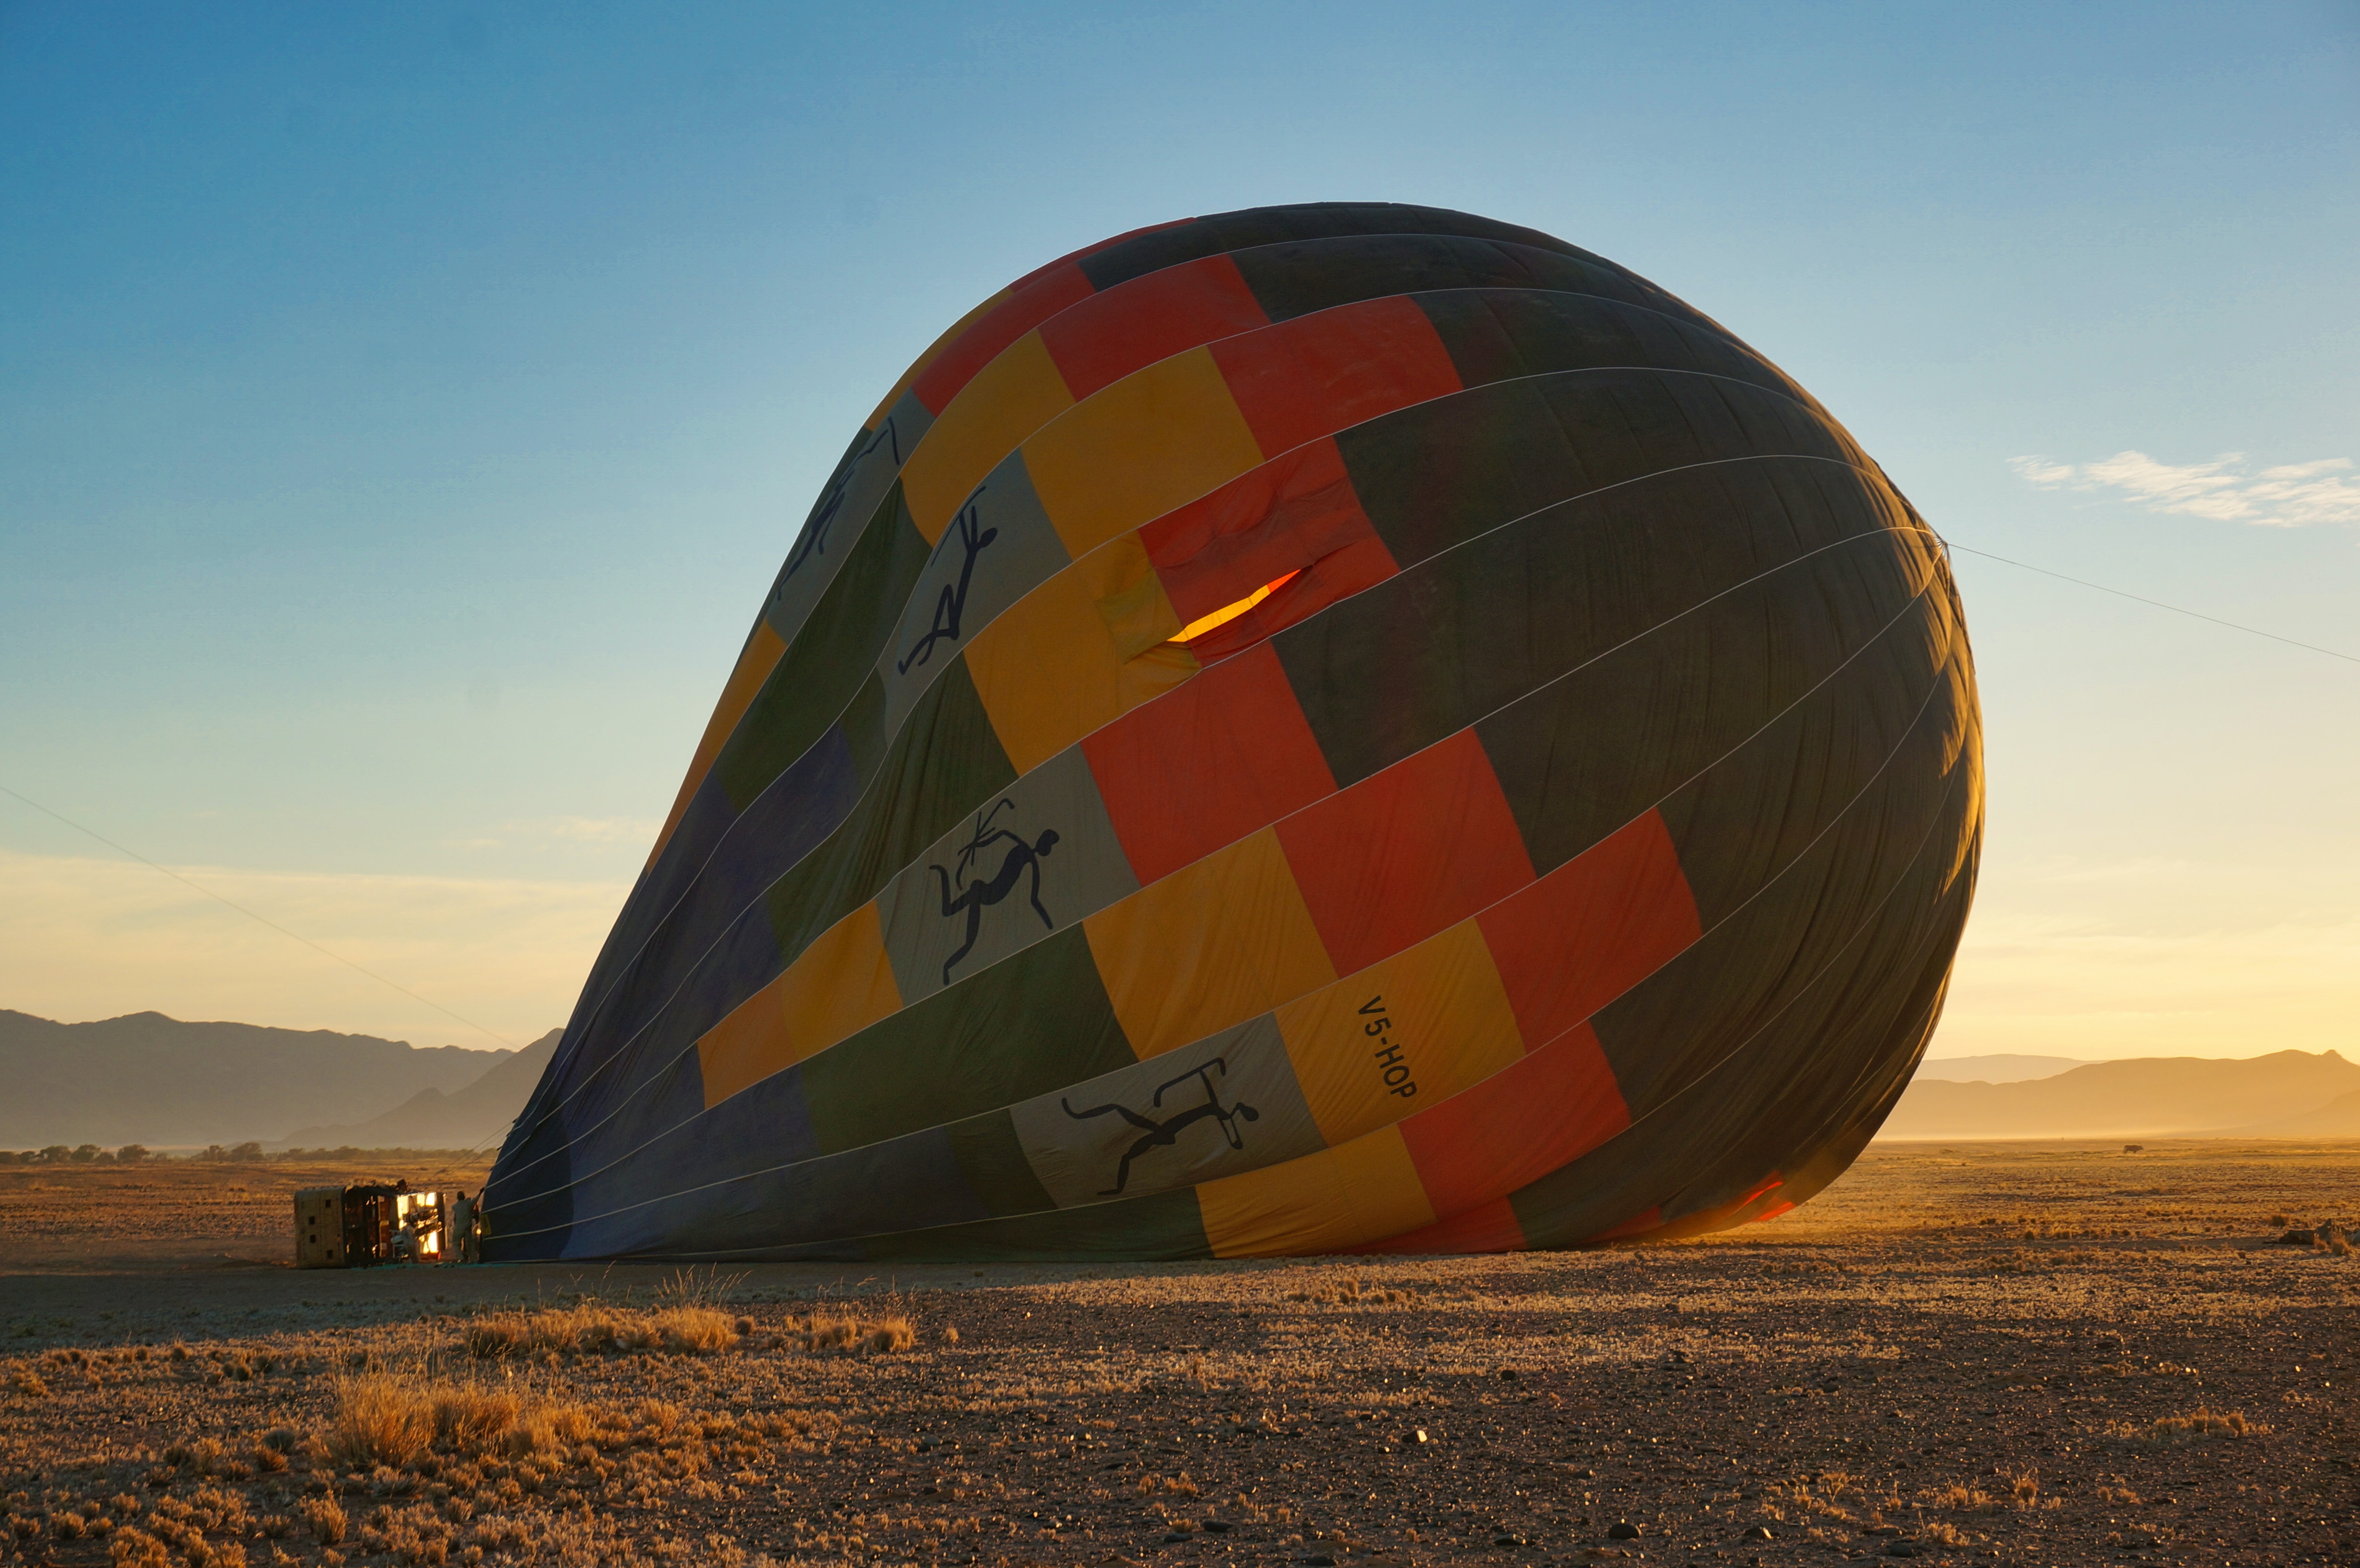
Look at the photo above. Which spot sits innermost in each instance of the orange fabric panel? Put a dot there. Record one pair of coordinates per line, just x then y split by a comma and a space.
1156, 439
1224, 756
1015, 311
1077, 624
1593, 928
1407, 852
840, 984
1251, 947
754, 665
1487, 1228
1099, 341
1326, 1201
1545, 1110
1406, 1033
1009, 399
1322, 373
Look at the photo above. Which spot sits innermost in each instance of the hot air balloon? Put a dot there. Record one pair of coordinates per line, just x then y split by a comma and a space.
1323, 728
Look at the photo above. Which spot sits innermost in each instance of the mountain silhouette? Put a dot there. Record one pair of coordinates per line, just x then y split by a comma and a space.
2282, 1094
146, 1078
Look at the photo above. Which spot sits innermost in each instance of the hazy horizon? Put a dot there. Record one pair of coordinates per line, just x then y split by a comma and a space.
406, 413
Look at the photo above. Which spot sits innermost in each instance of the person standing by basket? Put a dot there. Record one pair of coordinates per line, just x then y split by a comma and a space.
462, 1229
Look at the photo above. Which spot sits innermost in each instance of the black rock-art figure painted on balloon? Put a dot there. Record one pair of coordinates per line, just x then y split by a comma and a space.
1166, 1133
1382, 601
972, 899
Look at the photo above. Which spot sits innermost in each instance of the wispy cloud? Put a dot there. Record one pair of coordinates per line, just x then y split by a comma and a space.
2293, 495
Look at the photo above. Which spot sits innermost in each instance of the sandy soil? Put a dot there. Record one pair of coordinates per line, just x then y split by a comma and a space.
1984, 1353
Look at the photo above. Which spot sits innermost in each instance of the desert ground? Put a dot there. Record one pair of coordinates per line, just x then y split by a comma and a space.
2026, 1353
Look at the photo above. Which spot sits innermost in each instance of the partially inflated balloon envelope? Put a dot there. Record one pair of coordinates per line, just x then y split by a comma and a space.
1325, 728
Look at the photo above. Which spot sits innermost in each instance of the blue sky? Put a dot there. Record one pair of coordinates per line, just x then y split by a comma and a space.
403, 411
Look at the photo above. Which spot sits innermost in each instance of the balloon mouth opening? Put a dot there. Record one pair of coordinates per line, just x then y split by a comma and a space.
1230, 612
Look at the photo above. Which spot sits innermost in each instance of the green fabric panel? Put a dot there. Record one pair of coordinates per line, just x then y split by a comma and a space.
992, 1156
1296, 277
818, 675
1215, 232
1449, 468
1497, 334
1026, 1026
1168, 1227
1584, 754
1480, 626
865, 733
1758, 807
943, 761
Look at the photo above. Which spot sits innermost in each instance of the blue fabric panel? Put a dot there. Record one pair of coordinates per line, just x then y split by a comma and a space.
700, 1162
912, 1181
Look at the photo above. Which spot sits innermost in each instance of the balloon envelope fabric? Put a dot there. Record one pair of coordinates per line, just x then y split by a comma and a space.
1323, 728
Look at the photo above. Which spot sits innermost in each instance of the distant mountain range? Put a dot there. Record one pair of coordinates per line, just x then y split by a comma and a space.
149, 1079
2290, 1094
1994, 1069
468, 1117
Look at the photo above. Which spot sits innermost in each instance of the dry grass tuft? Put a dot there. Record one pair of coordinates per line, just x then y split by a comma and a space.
325, 1519
137, 1548
1355, 1293
386, 1420
380, 1419
2194, 1427
26, 1383
694, 1330
852, 1335
686, 1330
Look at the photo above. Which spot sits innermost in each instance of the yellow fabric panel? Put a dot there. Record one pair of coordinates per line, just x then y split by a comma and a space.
918, 366
1051, 670
1445, 1016
1361, 1192
1139, 617
1156, 439
1009, 399
843, 983
754, 667
1245, 944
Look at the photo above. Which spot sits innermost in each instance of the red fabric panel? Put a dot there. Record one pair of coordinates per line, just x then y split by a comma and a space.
1363, 563
1325, 372
1100, 339
1207, 764
1489, 1227
1547, 1110
1292, 513
1040, 295
1406, 852
1593, 929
